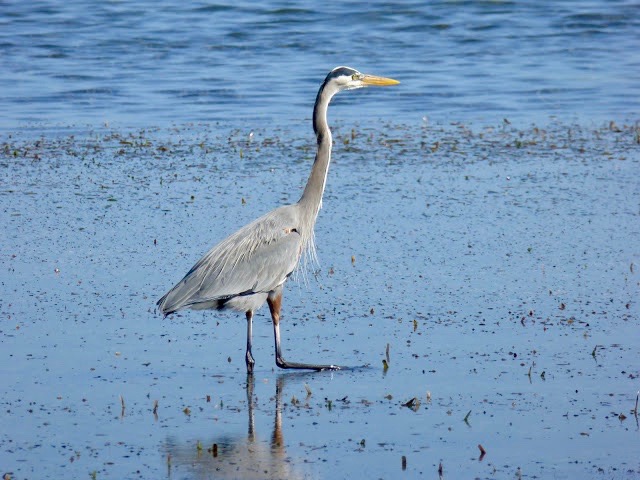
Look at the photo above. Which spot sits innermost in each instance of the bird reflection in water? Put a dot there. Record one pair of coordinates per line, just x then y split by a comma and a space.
238, 457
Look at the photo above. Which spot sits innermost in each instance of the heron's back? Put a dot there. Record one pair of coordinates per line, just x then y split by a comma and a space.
241, 270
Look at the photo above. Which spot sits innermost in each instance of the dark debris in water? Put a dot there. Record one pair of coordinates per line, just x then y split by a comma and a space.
199, 144
500, 263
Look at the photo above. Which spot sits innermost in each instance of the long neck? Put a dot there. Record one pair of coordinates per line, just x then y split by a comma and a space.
311, 200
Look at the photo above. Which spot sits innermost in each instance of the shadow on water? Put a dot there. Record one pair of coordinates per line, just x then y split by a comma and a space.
246, 457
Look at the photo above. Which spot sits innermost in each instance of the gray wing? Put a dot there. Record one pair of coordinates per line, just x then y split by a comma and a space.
257, 258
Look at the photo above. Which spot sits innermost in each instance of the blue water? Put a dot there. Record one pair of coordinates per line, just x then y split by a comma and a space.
150, 63
499, 262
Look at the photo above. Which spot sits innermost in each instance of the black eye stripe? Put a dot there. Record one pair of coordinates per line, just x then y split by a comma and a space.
342, 71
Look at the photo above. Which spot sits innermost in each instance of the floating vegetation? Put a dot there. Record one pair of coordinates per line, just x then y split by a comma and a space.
495, 259
483, 452
413, 404
213, 450
466, 417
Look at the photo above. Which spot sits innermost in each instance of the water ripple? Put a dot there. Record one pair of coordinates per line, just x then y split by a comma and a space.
489, 56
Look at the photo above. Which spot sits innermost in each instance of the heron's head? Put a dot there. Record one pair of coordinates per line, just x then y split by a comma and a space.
346, 78
341, 78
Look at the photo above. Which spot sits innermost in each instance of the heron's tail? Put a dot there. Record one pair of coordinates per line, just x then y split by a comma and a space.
164, 306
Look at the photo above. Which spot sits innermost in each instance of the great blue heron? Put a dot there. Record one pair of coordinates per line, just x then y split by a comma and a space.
252, 265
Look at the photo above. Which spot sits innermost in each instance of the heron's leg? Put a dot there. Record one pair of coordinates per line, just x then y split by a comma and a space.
248, 357
275, 302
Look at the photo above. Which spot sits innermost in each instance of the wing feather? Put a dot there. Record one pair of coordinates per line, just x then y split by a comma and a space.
257, 258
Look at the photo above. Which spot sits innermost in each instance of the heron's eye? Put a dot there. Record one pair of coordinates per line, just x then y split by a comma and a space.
355, 76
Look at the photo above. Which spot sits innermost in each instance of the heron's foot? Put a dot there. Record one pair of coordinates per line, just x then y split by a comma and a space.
282, 363
249, 361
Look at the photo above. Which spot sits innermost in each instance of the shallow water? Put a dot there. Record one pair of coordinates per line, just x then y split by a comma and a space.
158, 63
499, 265
496, 260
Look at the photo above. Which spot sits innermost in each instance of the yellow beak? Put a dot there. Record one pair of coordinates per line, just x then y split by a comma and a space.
378, 81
